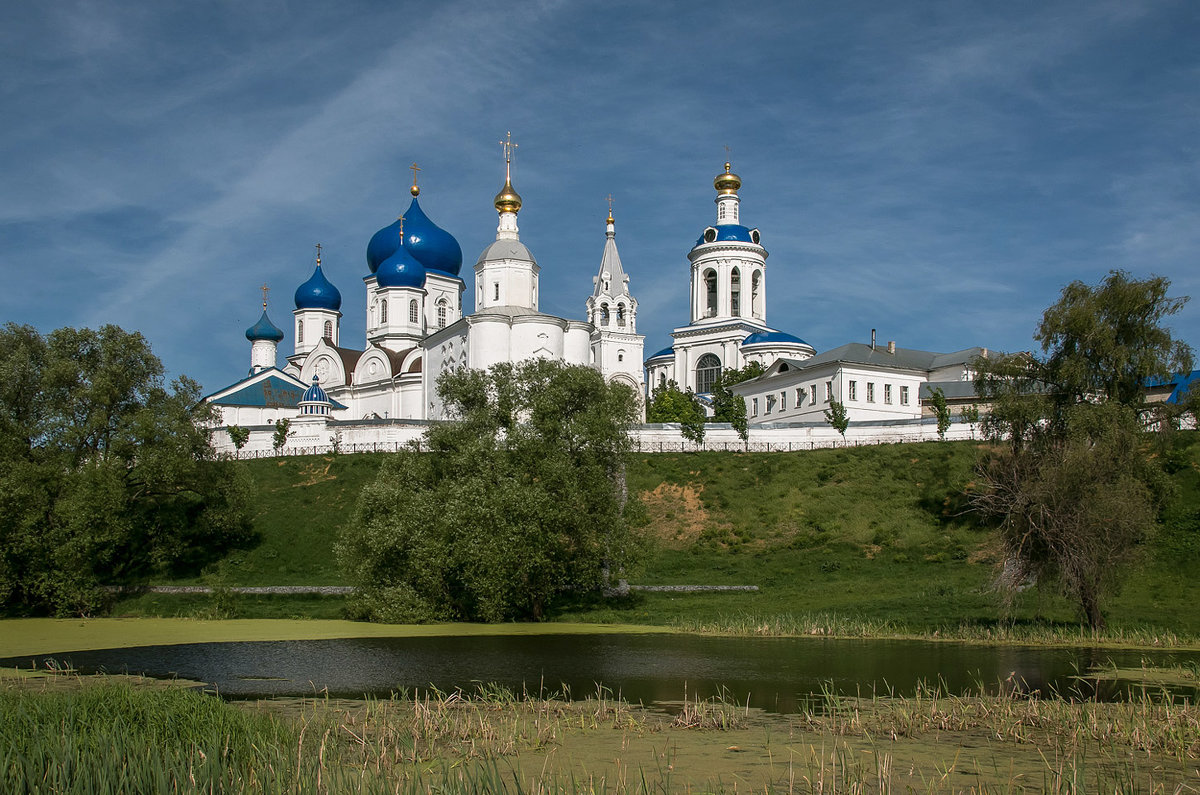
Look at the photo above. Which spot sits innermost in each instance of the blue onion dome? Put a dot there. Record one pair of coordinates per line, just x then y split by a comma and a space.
264, 329
383, 244
430, 245
318, 293
314, 394
772, 337
401, 269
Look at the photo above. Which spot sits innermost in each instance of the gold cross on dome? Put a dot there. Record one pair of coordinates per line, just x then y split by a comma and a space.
265, 290
414, 168
610, 201
509, 146
318, 253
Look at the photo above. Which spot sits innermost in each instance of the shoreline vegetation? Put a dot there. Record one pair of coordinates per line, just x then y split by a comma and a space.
138, 736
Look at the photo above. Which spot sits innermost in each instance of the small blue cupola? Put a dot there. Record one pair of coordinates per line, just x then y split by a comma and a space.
314, 401
264, 329
318, 293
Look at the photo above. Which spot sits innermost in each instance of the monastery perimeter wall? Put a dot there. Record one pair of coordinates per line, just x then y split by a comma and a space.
381, 436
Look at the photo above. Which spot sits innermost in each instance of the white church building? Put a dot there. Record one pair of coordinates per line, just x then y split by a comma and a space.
416, 327
383, 390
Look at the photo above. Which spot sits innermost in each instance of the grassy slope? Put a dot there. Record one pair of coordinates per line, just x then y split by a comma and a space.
873, 533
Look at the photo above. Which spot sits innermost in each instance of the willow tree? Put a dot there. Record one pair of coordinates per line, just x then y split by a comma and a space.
1071, 484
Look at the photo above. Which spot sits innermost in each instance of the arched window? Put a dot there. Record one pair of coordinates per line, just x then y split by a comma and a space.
756, 294
620, 356
383, 312
735, 293
329, 330
621, 315
299, 331
441, 313
710, 289
662, 379
414, 311
707, 370
496, 291
603, 314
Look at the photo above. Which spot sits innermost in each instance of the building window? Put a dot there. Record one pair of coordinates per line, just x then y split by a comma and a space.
662, 379
620, 356
903, 396
621, 315
299, 331
756, 307
754, 407
887, 394
783, 401
329, 330
383, 311
853, 390
800, 397
735, 293
828, 391
770, 403
414, 311
603, 314
707, 370
710, 292
870, 392
496, 291
441, 313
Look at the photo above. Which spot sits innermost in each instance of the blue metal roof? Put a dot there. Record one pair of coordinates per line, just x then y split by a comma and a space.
729, 232
383, 244
264, 329
664, 352
314, 394
772, 337
272, 392
318, 293
1181, 382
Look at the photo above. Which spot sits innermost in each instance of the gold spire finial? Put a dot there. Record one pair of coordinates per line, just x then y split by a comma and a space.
265, 290
414, 190
610, 201
402, 229
508, 200
728, 183
318, 255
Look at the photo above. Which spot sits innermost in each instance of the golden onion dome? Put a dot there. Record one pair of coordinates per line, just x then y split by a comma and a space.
727, 183
508, 200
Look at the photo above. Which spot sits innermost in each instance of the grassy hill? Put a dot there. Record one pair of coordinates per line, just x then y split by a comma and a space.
870, 534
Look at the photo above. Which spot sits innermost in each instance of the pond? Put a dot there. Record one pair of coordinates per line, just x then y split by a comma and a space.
775, 674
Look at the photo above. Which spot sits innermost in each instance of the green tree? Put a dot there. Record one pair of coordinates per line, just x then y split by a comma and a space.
280, 437
937, 400
837, 416
970, 415
518, 501
1074, 491
238, 435
668, 403
729, 407
106, 476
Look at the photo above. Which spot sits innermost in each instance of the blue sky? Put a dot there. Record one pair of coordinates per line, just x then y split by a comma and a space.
937, 171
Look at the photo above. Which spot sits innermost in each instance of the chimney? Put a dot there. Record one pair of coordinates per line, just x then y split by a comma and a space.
872, 339
892, 347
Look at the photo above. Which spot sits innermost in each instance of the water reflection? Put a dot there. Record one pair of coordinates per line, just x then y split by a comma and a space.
776, 674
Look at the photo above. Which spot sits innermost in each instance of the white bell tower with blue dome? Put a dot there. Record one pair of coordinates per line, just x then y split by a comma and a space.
264, 338
318, 311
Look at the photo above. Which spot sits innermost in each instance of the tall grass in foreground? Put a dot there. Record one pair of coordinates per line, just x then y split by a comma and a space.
117, 739
842, 626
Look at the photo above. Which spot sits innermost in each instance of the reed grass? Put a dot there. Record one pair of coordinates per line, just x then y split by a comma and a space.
999, 633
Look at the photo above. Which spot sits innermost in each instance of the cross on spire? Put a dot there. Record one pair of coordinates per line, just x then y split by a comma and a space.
610, 201
318, 255
265, 289
414, 190
509, 146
